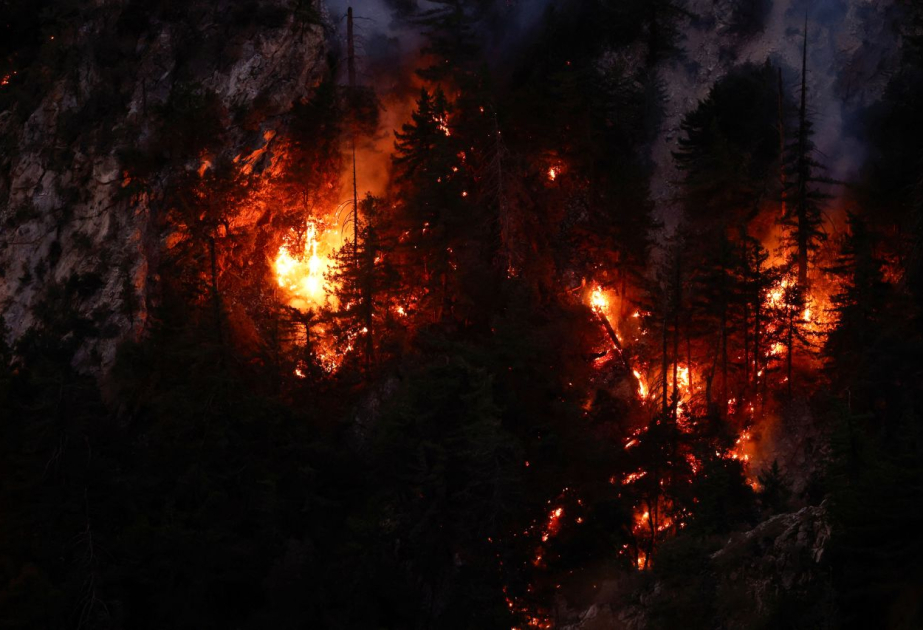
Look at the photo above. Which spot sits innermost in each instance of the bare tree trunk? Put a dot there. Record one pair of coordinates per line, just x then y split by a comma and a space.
664, 359
803, 169
746, 345
351, 69
790, 342
368, 296
677, 298
782, 183
216, 296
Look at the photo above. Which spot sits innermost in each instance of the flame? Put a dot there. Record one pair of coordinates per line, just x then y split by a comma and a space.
777, 293
633, 477
552, 173
642, 386
302, 274
442, 122
598, 301
682, 378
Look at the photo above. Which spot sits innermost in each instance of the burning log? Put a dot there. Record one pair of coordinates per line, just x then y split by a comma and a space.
599, 303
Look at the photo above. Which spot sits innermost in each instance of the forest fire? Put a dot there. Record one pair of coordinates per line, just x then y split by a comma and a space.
499, 314
302, 274
642, 384
598, 301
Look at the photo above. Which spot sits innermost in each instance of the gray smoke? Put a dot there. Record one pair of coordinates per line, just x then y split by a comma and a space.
851, 46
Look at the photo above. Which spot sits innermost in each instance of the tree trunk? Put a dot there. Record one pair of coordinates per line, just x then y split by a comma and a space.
216, 296
803, 169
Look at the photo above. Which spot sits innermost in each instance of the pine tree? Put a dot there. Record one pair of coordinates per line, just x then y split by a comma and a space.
431, 180
717, 304
860, 306
756, 277
449, 31
201, 208
726, 158
662, 25
803, 216
364, 280
791, 332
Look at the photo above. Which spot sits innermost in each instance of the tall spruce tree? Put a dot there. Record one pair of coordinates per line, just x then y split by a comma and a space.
803, 218
860, 306
432, 188
365, 280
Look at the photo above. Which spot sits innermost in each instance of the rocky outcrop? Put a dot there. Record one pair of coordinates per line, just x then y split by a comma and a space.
781, 558
76, 235
777, 564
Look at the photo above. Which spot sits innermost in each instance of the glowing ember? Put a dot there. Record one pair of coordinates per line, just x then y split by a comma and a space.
443, 123
632, 477
552, 173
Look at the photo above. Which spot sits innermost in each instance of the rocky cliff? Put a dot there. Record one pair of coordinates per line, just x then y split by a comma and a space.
753, 576
80, 232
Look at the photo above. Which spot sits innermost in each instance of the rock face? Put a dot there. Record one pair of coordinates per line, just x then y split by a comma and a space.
779, 558
779, 564
76, 234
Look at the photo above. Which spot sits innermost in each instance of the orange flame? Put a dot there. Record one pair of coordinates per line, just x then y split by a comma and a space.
598, 301
301, 275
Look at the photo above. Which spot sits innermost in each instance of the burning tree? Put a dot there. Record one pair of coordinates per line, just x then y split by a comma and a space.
365, 282
803, 206
432, 188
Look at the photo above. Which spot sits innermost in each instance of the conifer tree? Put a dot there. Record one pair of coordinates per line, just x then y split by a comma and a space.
756, 279
860, 305
363, 290
803, 216
431, 181
449, 30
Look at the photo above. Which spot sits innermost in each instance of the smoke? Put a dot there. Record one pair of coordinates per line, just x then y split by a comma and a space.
388, 51
851, 44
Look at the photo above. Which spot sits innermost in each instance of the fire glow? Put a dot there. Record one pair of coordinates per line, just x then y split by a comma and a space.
301, 274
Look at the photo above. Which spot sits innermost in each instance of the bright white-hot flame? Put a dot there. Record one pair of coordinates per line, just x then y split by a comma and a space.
552, 173
302, 274
598, 301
